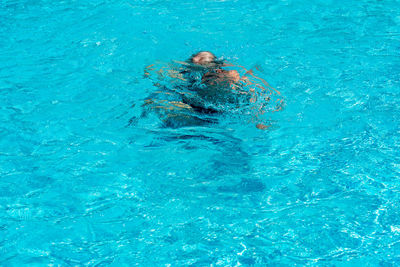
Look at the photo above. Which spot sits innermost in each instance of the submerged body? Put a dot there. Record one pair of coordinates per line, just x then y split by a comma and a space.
205, 88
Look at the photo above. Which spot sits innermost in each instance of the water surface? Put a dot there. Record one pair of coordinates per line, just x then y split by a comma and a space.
85, 181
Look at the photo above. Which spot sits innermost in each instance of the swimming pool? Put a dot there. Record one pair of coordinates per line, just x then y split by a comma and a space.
86, 181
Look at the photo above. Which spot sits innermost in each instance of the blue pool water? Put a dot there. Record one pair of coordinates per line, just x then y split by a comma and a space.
85, 180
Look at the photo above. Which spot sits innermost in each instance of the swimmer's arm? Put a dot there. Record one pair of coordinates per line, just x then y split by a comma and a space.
263, 85
175, 74
249, 73
163, 72
157, 104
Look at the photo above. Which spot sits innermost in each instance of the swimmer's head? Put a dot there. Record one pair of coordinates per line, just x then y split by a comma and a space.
203, 58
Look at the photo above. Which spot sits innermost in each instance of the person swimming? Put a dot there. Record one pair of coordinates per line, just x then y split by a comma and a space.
205, 87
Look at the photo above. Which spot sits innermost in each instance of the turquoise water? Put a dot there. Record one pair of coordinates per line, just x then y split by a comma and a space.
85, 180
